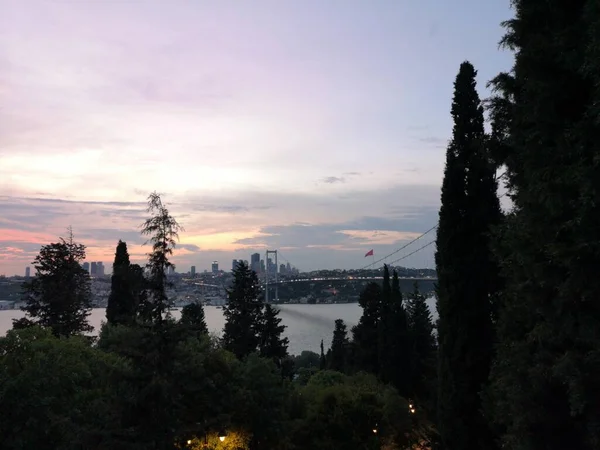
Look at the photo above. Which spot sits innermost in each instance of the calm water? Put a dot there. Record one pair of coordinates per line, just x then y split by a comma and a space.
306, 324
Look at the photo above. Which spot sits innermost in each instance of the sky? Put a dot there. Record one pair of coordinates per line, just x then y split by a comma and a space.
317, 128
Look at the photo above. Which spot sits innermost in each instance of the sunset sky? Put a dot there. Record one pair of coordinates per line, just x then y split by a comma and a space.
314, 127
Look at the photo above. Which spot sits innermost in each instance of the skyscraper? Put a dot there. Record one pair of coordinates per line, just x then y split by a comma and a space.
27, 272
255, 262
86, 266
100, 269
234, 264
193, 271
215, 267
94, 269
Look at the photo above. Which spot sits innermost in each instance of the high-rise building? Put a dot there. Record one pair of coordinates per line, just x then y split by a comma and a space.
215, 267
93, 269
100, 269
193, 271
262, 265
27, 272
234, 264
288, 268
282, 269
255, 262
86, 266
171, 270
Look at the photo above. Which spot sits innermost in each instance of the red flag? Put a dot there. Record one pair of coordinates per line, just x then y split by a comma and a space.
369, 253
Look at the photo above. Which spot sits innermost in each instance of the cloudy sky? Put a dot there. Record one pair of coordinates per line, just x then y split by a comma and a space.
314, 127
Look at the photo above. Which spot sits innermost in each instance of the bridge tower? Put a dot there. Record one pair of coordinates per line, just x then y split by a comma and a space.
271, 266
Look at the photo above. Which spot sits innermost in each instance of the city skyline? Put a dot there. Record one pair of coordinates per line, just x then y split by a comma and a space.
316, 129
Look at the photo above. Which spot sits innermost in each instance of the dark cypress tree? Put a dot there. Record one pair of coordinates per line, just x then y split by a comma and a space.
423, 349
384, 328
272, 344
545, 391
466, 275
365, 337
243, 313
59, 296
121, 306
322, 360
163, 231
398, 353
193, 319
337, 355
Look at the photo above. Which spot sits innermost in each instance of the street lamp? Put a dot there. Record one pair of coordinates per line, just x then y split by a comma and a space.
222, 435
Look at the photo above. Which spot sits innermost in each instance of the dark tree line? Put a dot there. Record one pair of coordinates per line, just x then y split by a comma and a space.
393, 340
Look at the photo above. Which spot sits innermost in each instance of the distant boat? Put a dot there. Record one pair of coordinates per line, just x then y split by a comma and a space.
219, 307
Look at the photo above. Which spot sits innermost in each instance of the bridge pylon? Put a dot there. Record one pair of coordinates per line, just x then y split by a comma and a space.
271, 267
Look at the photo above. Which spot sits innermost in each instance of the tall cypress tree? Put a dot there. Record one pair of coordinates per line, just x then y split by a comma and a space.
545, 391
337, 355
466, 274
364, 335
243, 313
121, 306
384, 328
423, 349
398, 352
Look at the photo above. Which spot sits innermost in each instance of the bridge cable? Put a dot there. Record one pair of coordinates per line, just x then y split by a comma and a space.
419, 237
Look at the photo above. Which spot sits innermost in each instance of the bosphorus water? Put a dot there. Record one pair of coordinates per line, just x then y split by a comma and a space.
306, 324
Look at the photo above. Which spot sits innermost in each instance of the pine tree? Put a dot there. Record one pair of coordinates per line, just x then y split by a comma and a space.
322, 359
337, 357
59, 296
384, 328
365, 337
243, 313
193, 318
121, 306
423, 349
398, 352
466, 273
545, 391
163, 231
272, 344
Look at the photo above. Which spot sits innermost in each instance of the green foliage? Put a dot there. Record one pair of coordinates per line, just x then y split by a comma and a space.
545, 388
365, 335
122, 300
59, 295
260, 401
272, 345
341, 412
243, 313
467, 276
307, 359
163, 231
192, 317
337, 357
59, 393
